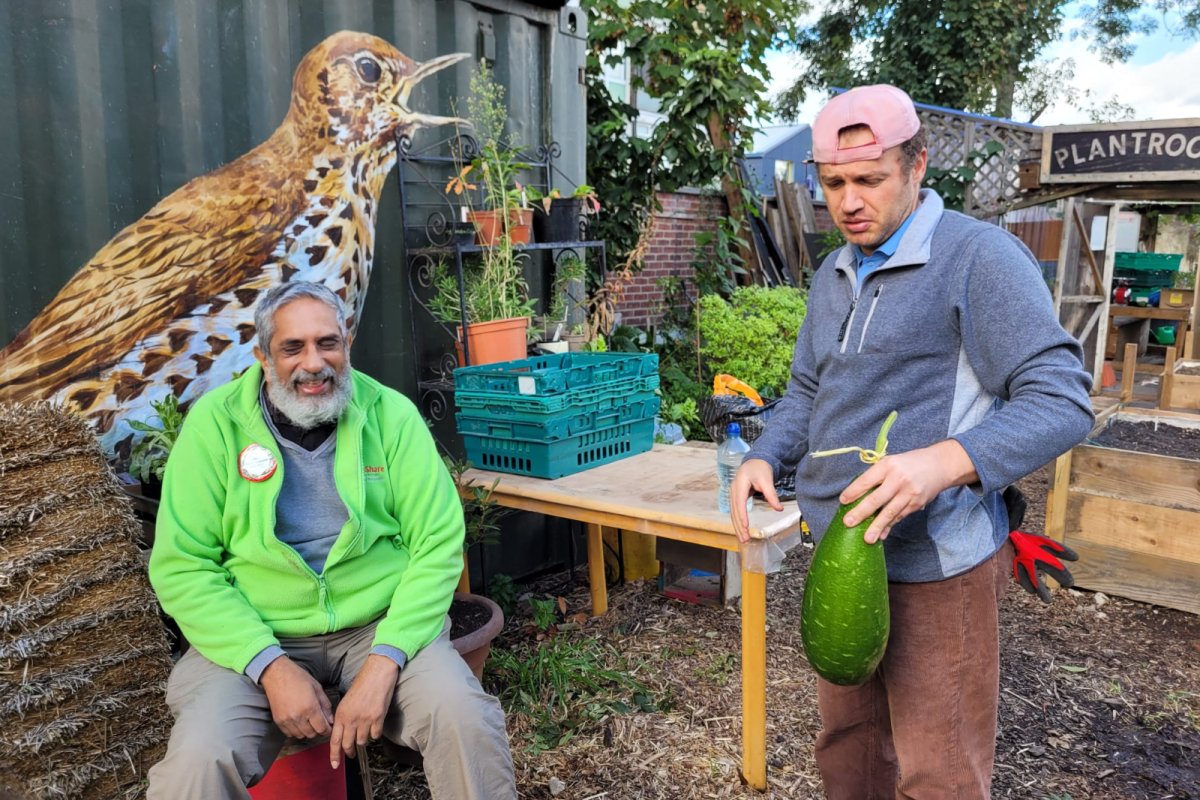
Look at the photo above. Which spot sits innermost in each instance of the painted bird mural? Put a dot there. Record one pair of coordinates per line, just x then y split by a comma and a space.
167, 306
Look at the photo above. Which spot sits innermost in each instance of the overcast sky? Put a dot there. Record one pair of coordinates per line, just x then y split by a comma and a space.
1161, 81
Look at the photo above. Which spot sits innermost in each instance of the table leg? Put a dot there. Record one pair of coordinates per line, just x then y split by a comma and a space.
754, 679
595, 551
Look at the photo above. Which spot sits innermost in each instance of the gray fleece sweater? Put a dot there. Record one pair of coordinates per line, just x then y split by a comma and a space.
957, 333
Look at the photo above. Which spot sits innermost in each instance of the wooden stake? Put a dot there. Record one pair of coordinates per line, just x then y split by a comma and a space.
1128, 369
1167, 384
595, 551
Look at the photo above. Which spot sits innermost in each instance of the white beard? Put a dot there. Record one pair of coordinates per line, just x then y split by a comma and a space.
309, 412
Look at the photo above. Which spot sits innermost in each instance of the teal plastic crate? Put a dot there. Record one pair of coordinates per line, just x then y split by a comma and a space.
541, 459
507, 424
1145, 277
529, 407
1148, 261
554, 374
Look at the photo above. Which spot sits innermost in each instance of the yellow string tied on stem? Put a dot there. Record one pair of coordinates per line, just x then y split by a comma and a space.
864, 455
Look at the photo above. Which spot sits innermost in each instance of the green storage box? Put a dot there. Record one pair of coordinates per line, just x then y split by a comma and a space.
1148, 261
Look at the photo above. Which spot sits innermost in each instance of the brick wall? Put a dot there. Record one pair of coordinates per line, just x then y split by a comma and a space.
683, 215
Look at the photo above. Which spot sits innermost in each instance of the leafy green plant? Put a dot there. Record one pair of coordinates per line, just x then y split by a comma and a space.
717, 260
1185, 280
570, 271
480, 512
561, 686
149, 456
544, 614
494, 290
503, 590
584, 192
752, 335
831, 240
685, 413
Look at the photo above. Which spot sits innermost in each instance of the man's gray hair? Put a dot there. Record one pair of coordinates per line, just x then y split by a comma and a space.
279, 296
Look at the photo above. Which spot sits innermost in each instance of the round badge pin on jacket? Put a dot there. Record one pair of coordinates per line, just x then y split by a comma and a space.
256, 463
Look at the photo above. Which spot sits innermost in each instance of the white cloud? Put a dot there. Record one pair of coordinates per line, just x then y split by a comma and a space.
1165, 88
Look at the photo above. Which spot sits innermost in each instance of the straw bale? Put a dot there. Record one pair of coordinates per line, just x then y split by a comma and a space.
84, 655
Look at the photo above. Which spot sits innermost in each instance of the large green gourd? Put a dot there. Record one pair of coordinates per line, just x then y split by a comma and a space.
845, 620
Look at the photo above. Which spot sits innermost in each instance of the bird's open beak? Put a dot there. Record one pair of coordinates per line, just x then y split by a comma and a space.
420, 72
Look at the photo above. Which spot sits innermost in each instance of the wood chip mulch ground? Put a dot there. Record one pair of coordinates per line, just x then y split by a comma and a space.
1100, 699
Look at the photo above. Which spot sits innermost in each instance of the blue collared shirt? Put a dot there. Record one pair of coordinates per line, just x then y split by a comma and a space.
868, 264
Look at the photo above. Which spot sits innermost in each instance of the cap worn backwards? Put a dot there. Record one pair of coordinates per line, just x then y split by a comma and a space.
886, 110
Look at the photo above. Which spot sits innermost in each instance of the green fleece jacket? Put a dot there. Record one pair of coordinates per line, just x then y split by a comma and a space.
234, 588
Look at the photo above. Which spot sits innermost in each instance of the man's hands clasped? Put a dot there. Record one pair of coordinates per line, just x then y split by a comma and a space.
302, 710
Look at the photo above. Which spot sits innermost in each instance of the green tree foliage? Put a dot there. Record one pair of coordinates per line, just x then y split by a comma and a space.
963, 54
705, 63
752, 335
1113, 23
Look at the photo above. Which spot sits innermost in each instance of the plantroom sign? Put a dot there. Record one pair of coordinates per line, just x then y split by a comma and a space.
1164, 150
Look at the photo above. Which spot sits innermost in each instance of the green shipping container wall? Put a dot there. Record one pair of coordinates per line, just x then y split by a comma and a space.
113, 104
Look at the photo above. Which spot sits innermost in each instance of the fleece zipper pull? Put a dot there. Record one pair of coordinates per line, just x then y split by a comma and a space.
846, 321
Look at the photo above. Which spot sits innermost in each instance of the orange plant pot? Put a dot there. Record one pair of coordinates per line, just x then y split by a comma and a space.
489, 226
495, 341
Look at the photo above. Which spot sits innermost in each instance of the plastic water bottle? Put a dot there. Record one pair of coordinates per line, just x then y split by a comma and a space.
729, 457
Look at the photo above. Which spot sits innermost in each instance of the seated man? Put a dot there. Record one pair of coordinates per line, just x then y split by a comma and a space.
309, 535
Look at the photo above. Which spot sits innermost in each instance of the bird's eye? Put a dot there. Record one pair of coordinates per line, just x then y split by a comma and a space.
369, 69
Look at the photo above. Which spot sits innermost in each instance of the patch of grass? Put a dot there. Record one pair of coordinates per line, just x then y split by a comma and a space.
561, 686
1182, 707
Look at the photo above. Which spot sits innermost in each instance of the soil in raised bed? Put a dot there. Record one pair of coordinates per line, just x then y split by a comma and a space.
1149, 437
1188, 370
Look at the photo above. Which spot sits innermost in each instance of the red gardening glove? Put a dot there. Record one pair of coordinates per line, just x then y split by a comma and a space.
1038, 554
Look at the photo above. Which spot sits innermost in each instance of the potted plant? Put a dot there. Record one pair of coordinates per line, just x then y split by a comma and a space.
559, 218
148, 459
494, 171
566, 300
496, 302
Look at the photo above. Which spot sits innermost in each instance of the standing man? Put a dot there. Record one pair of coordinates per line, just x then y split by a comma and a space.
310, 536
947, 320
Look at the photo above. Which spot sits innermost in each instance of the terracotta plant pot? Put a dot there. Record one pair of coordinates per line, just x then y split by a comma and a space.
491, 342
489, 227
475, 646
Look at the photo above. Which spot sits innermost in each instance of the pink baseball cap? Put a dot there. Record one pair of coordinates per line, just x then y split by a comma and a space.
886, 110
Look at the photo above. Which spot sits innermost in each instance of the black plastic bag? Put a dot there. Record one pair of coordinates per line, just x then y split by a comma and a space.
718, 410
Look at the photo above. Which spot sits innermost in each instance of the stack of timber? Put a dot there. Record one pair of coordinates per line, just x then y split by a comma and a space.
84, 656
792, 221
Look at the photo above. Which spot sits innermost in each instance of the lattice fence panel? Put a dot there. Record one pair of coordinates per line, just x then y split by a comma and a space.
952, 136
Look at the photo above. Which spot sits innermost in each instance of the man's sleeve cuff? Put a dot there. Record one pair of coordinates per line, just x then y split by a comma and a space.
260, 662
394, 653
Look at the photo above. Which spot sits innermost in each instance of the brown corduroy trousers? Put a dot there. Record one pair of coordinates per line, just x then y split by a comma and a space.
924, 726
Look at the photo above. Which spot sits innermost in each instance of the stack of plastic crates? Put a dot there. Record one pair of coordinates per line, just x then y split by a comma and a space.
1146, 274
557, 414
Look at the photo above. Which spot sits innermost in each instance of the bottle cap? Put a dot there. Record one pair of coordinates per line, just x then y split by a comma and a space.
734, 429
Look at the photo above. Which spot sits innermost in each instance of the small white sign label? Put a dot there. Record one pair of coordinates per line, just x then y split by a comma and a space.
526, 385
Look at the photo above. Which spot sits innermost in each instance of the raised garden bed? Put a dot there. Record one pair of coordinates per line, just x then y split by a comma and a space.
1182, 389
1128, 502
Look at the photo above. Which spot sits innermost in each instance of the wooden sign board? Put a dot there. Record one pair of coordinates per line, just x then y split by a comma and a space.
1161, 150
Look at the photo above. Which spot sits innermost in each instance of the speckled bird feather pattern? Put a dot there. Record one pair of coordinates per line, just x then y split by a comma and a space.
167, 306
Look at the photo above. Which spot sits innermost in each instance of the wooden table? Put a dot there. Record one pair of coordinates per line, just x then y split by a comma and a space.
669, 492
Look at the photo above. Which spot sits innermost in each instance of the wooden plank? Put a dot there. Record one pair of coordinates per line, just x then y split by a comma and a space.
1128, 370
1168, 379
1185, 391
1137, 477
794, 220
1056, 500
1148, 312
595, 551
1137, 576
1138, 527
1085, 246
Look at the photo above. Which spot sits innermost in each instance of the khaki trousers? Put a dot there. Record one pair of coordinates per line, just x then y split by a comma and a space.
924, 726
224, 739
